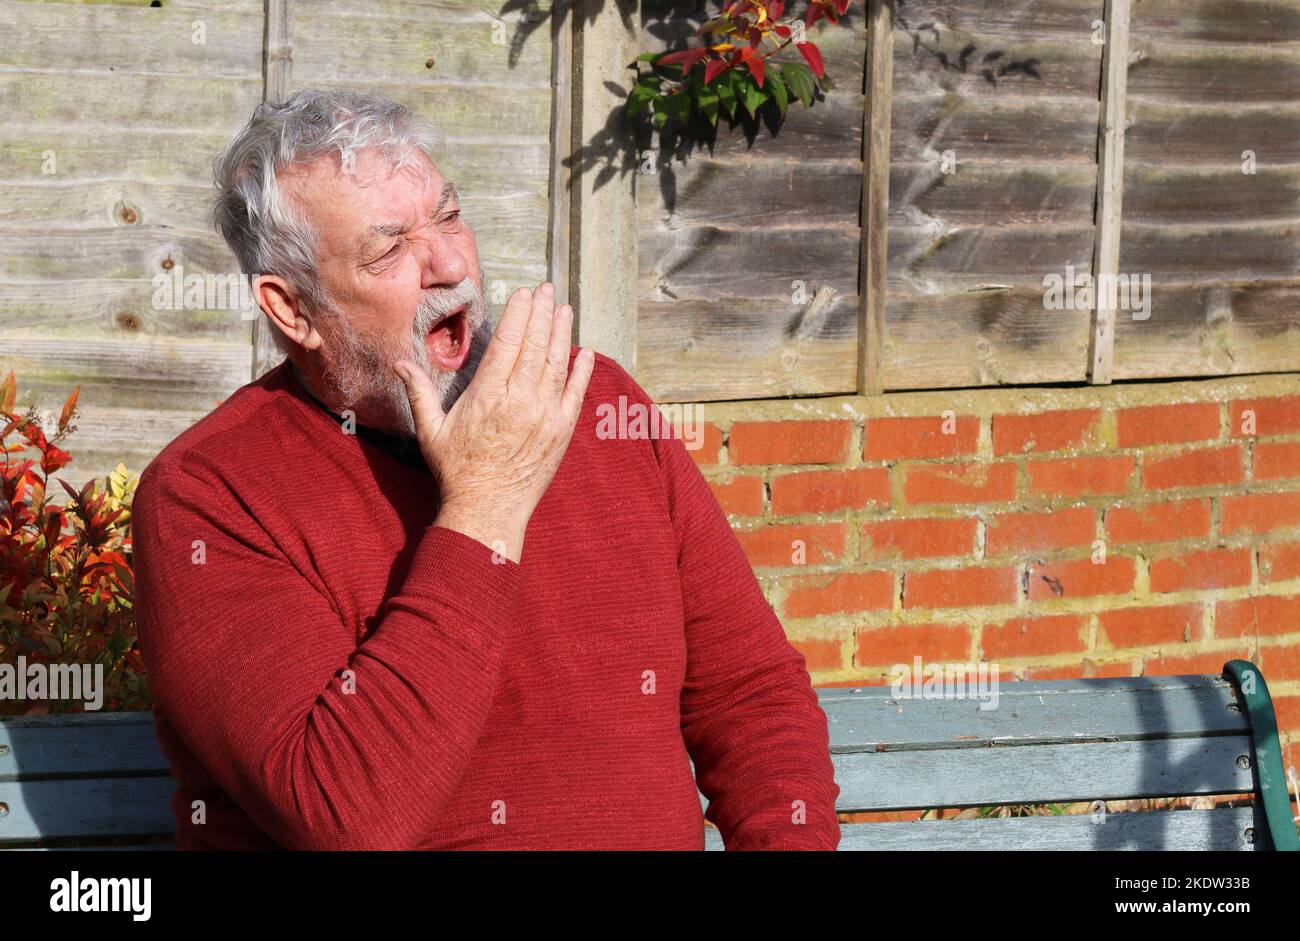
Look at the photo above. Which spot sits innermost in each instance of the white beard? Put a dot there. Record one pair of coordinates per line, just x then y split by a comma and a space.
358, 368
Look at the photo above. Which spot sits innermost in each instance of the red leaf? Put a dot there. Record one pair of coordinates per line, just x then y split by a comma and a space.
842, 5
814, 57
815, 12
8, 389
782, 31
687, 57
758, 69
54, 459
714, 68
776, 8
66, 415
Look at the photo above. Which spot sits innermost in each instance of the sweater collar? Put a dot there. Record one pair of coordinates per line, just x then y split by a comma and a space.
399, 446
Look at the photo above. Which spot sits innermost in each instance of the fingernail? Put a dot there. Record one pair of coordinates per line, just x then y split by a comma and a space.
402, 371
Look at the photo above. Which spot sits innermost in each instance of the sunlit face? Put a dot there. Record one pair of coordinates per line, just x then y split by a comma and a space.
401, 268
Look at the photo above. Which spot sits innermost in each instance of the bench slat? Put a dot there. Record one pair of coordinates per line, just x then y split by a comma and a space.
1226, 828
871, 718
87, 807
88, 744
1030, 774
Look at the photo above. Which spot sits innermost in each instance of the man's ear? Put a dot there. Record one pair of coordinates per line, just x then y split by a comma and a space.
280, 303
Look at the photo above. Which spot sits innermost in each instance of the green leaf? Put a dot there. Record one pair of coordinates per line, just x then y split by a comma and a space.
707, 99
752, 97
639, 99
780, 94
726, 92
679, 106
799, 78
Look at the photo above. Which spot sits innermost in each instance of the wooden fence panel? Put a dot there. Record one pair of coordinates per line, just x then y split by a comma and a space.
1212, 189
113, 113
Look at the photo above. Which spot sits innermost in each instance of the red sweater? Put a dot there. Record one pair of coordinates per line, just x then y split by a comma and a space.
332, 671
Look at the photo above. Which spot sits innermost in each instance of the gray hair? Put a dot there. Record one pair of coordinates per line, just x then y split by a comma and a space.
266, 232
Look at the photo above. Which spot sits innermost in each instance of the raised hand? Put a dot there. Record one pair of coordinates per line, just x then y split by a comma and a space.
497, 450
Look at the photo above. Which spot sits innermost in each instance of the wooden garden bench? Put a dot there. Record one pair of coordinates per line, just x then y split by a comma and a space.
99, 780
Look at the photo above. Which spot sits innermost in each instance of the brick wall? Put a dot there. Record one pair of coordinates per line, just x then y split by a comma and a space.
1138, 529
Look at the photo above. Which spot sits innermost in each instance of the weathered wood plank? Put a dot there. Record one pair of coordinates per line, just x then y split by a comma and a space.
875, 718
795, 193
1222, 829
1039, 19
1110, 186
87, 744
87, 807
933, 258
991, 194
1164, 133
1171, 72
984, 64
1212, 329
1038, 130
331, 42
44, 102
227, 40
874, 192
709, 263
990, 337
746, 347
1204, 252
1180, 195
1034, 774
1249, 22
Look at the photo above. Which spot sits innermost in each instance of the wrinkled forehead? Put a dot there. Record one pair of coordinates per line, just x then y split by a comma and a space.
346, 200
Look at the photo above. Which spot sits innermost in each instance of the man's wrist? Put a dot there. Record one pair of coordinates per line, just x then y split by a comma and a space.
503, 537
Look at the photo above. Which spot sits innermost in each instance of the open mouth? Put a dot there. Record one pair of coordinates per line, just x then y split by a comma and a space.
448, 341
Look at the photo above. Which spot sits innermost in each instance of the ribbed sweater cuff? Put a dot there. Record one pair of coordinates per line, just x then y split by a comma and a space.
456, 571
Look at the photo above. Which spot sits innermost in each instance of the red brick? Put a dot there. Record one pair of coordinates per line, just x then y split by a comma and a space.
1086, 669
1201, 571
1044, 431
891, 439
1167, 424
1197, 467
1081, 578
1034, 636
1079, 476
739, 496
886, 646
1143, 627
820, 653
1040, 532
1209, 663
789, 442
707, 453
1279, 562
960, 483
1262, 614
1277, 415
959, 588
921, 538
1260, 512
772, 545
1287, 709
1274, 460
829, 491
1158, 522
838, 593
1280, 663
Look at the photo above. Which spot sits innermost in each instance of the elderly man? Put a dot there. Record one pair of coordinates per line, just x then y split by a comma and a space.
399, 594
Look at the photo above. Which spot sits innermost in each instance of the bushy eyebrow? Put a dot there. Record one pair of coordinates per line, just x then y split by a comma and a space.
393, 229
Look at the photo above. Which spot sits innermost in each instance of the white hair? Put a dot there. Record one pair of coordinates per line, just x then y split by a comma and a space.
266, 233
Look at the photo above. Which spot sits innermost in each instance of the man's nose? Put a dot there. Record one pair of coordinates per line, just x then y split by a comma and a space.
443, 263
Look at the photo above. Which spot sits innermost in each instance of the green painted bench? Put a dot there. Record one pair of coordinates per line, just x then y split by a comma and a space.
99, 780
